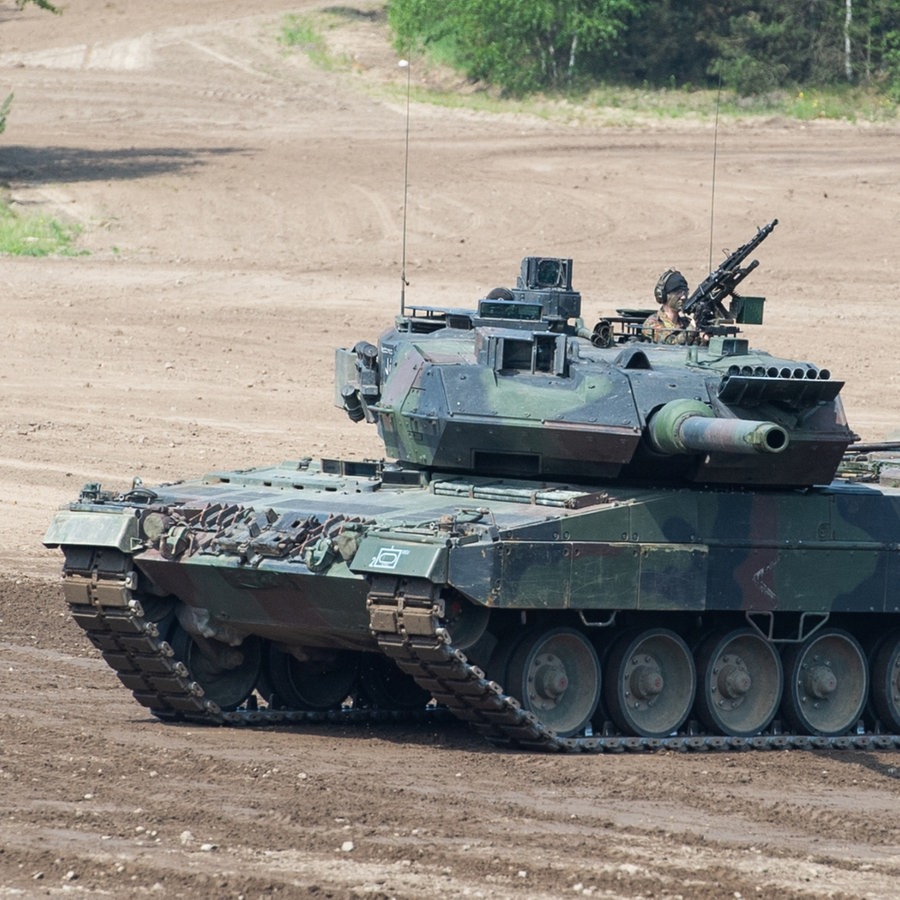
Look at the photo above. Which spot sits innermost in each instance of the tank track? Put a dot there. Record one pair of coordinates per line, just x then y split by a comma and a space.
132, 645
406, 622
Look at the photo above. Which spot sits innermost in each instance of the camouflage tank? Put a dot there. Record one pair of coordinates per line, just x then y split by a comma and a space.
581, 541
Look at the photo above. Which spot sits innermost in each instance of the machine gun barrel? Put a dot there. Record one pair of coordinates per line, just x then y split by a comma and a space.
687, 426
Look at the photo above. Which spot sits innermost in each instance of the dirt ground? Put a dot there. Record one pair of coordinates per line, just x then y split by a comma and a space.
242, 215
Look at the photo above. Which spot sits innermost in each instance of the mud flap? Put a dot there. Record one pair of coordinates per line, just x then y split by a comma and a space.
94, 528
384, 554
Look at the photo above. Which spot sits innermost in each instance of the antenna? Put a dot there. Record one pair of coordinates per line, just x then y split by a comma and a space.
712, 202
404, 64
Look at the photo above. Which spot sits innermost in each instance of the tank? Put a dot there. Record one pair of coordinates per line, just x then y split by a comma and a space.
577, 540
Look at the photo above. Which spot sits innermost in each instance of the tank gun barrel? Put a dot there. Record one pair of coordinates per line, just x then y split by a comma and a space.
687, 426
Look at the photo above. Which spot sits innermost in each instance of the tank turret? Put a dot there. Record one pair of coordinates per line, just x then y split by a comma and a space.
519, 387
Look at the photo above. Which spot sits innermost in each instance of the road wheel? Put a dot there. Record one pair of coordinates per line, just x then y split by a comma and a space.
555, 674
650, 682
227, 675
826, 683
739, 682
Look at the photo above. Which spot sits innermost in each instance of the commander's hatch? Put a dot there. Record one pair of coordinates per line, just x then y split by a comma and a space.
509, 352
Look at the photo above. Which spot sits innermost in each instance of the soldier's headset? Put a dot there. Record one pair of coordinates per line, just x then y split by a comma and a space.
660, 292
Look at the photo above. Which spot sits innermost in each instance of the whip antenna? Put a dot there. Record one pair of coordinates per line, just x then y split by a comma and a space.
712, 202
404, 64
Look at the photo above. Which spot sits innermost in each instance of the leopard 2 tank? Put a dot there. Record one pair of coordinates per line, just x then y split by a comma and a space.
578, 540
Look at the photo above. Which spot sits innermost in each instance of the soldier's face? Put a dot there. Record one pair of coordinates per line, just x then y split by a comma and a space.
675, 299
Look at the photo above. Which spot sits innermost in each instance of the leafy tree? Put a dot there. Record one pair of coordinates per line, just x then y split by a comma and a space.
519, 46
815, 42
874, 44
753, 46
752, 52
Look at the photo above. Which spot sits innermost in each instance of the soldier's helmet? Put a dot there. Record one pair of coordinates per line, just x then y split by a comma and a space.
670, 280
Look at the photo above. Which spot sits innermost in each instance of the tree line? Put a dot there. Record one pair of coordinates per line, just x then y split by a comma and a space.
756, 47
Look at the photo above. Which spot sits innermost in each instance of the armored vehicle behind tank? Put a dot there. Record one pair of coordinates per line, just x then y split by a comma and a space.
581, 540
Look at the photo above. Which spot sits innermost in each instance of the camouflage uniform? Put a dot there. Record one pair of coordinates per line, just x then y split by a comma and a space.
661, 331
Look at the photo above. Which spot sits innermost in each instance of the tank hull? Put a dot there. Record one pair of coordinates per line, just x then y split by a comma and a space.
532, 583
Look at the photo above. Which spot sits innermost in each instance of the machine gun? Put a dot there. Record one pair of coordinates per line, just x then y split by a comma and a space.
704, 305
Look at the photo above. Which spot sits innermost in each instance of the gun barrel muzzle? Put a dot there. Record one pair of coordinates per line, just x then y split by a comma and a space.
685, 426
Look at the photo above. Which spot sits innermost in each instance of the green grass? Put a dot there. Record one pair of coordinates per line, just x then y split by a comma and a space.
851, 104
36, 235
848, 104
615, 105
305, 33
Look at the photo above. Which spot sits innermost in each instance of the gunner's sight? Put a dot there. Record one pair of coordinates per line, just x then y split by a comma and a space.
541, 273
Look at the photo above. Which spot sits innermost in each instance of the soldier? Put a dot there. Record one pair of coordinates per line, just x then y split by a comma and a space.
669, 325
